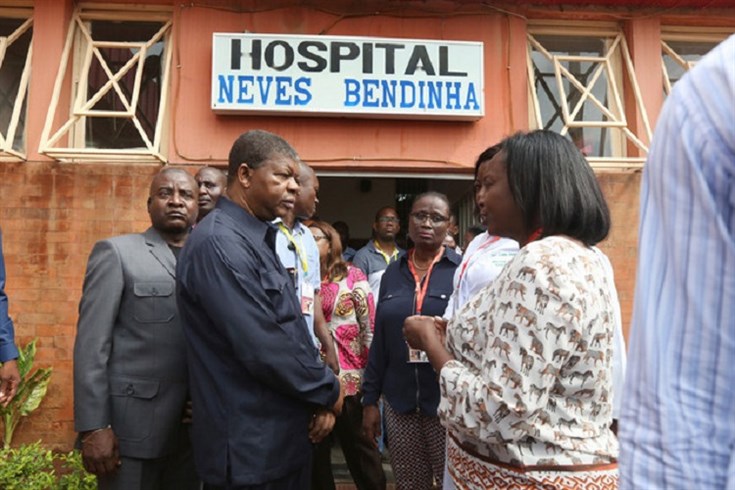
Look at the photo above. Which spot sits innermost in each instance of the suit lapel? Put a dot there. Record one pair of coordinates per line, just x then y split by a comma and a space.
160, 250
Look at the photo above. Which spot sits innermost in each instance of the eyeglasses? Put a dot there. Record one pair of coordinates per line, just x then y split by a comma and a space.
436, 219
320, 237
387, 219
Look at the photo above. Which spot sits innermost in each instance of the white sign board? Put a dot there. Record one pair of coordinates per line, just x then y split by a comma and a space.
347, 76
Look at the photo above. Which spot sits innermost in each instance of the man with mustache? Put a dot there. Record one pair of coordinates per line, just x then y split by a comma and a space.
130, 371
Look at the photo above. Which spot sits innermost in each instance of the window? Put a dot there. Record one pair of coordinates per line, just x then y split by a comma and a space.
682, 48
118, 64
576, 89
16, 31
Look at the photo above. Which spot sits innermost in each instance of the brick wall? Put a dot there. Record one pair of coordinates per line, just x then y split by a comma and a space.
622, 191
51, 215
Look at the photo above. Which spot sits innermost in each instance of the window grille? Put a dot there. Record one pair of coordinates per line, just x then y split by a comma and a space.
16, 32
682, 48
119, 66
576, 89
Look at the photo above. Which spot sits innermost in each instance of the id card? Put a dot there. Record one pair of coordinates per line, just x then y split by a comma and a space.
307, 299
416, 355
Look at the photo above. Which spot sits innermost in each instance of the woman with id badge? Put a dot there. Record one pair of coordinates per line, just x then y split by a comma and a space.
420, 282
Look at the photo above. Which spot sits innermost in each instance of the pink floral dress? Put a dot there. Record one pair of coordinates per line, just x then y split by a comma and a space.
349, 310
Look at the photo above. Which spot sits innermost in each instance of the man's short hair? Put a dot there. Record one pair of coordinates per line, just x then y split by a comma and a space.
379, 212
255, 147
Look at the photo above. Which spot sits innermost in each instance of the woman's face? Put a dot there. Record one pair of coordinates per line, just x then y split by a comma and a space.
428, 222
498, 209
322, 242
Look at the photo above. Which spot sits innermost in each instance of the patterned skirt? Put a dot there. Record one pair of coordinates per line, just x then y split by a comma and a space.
471, 472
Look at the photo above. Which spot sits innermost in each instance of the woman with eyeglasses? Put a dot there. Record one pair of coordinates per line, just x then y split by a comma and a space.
525, 369
418, 283
349, 310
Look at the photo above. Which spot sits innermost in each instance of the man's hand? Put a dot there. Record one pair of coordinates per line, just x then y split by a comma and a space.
9, 381
187, 418
100, 453
321, 425
371, 423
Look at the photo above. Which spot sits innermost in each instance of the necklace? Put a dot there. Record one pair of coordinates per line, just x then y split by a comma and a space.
413, 260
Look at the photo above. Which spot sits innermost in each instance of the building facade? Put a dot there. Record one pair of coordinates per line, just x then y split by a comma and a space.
97, 96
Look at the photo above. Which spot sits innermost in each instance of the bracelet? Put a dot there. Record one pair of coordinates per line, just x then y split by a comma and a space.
84, 439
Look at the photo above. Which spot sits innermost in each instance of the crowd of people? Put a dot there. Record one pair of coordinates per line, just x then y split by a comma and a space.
230, 344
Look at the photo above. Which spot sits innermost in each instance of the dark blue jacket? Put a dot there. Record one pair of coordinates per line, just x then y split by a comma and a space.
406, 387
255, 375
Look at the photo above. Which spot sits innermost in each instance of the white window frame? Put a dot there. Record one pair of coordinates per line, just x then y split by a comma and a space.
669, 34
83, 48
7, 152
617, 117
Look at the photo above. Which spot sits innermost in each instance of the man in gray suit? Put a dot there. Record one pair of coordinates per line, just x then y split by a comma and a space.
130, 374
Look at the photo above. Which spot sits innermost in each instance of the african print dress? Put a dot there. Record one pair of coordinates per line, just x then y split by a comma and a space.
527, 400
350, 314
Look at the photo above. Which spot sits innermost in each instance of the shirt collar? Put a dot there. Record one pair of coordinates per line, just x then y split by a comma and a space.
254, 228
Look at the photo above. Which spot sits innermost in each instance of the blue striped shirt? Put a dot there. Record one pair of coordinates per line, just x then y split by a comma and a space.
678, 421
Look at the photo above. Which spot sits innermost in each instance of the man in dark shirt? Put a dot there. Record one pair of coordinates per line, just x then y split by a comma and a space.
260, 395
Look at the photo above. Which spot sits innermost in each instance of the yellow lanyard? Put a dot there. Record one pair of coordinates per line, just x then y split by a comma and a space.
299, 252
385, 255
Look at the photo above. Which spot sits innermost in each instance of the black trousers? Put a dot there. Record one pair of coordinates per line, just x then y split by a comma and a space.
362, 458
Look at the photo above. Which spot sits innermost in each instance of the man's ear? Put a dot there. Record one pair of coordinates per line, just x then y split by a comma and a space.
244, 175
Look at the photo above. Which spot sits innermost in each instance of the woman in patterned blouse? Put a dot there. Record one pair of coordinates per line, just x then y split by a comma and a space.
349, 310
526, 374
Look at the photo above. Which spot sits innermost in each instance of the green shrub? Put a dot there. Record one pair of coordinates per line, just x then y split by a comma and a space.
32, 467
74, 476
28, 467
31, 390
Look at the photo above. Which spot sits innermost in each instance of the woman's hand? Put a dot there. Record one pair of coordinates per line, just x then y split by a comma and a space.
441, 328
371, 423
421, 332
425, 333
